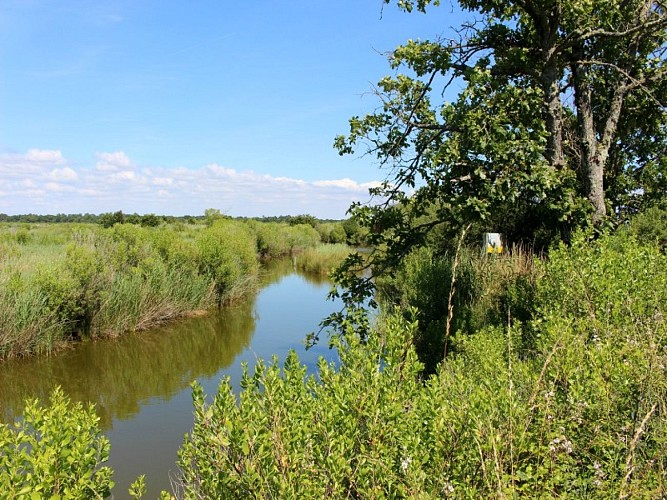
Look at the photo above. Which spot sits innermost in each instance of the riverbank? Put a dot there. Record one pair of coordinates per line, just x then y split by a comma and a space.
139, 382
61, 283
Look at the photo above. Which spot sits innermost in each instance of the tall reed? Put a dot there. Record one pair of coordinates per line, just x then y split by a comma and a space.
321, 259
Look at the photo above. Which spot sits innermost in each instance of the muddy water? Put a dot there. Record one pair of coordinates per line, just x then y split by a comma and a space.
140, 383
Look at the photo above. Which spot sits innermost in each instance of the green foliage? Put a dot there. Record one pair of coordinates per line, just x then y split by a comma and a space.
138, 488
650, 226
21, 236
609, 285
54, 452
322, 259
110, 219
332, 232
227, 255
579, 411
303, 219
310, 439
302, 236
489, 291
554, 127
150, 220
213, 215
423, 282
69, 282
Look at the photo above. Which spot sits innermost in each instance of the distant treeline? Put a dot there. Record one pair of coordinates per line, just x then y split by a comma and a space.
135, 218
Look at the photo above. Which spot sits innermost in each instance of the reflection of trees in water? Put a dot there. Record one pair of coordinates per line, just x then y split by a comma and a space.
273, 271
118, 376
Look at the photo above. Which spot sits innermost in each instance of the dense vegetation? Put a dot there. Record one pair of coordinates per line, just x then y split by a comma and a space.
61, 282
569, 402
526, 374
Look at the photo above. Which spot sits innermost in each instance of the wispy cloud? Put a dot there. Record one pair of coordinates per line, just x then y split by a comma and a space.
44, 181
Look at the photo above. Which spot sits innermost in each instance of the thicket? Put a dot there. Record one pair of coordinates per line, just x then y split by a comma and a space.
277, 239
576, 408
489, 290
55, 451
322, 259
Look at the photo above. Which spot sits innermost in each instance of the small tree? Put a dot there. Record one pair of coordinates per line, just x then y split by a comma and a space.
55, 452
108, 219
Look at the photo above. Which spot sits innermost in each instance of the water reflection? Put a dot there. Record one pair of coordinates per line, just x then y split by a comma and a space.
140, 382
118, 376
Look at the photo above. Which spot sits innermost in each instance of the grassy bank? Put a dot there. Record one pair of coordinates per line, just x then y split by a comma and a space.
322, 259
64, 282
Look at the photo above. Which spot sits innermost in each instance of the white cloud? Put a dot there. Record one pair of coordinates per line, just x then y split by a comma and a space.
58, 187
45, 156
63, 174
348, 184
163, 181
113, 161
126, 175
42, 181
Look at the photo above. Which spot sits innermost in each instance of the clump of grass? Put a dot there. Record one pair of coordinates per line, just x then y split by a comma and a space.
322, 258
26, 326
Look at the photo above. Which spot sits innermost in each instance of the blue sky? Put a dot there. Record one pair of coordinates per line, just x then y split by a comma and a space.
172, 107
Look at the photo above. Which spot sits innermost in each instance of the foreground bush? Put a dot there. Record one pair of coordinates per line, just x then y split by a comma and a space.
575, 410
54, 452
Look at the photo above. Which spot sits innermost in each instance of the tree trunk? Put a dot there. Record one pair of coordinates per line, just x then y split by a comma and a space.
554, 151
593, 162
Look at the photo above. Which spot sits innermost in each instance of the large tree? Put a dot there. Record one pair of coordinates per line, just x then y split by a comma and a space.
557, 120
560, 118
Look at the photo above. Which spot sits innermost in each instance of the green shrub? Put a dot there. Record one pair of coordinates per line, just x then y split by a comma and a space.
650, 226
489, 291
580, 414
301, 236
291, 436
272, 238
227, 255
423, 282
615, 282
54, 452
21, 236
26, 325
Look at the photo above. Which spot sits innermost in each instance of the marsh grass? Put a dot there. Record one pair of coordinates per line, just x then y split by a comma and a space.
321, 259
63, 282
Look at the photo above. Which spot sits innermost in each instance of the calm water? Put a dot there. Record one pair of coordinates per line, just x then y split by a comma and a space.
140, 383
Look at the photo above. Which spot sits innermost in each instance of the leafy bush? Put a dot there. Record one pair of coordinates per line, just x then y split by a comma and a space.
54, 452
291, 436
650, 226
579, 412
272, 238
227, 255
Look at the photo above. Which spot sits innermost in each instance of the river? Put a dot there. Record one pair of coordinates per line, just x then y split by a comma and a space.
140, 383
